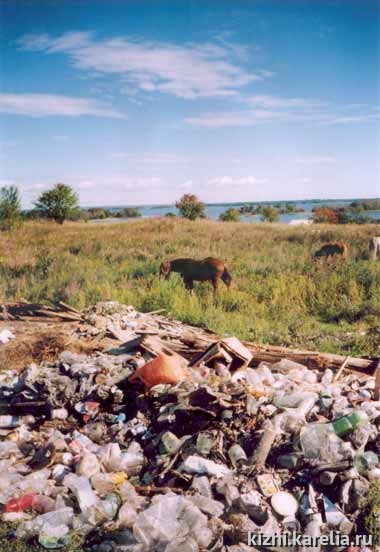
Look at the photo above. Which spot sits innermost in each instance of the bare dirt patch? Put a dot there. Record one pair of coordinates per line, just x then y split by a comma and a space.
38, 341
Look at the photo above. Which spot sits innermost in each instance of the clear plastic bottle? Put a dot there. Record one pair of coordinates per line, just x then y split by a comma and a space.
320, 442
81, 487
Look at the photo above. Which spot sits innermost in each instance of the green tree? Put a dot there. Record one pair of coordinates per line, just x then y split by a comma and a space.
191, 207
59, 203
230, 215
269, 214
128, 212
10, 208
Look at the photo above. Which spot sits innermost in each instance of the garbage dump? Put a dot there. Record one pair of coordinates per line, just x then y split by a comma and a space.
144, 448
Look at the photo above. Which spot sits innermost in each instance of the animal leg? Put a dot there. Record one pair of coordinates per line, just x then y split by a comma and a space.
215, 284
189, 284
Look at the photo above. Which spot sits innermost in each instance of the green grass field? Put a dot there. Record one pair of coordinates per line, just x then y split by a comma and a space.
279, 294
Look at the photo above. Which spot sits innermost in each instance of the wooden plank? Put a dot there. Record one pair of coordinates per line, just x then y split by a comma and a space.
57, 314
341, 369
68, 307
312, 359
377, 382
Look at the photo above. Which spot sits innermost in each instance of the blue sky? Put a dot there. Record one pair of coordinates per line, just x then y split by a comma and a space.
135, 102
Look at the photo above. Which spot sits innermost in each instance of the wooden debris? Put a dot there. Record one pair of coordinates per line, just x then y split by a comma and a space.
341, 369
68, 307
191, 342
25, 311
312, 359
58, 314
377, 382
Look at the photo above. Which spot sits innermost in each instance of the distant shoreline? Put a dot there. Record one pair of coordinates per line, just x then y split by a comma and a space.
290, 212
343, 201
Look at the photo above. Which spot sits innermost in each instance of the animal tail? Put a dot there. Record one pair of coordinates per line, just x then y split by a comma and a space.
226, 277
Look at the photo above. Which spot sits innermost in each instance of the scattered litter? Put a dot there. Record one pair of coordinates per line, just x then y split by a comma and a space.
171, 442
6, 336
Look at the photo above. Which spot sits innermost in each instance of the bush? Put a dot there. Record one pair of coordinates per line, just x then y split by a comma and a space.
231, 215
371, 512
59, 203
269, 214
325, 214
128, 212
10, 209
95, 213
191, 207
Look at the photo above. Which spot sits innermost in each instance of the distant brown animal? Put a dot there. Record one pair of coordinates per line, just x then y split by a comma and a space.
331, 250
208, 270
374, 248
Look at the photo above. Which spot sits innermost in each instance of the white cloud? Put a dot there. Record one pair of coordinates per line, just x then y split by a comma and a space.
278, 102
149, 158
43, 105
316, 160
235, 182
244, 118
268, 109
187, 71
347, 119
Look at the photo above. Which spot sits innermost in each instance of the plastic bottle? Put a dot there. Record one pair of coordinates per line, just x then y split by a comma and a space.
9, 422
204, 443
344, 425
313, 519
169, 443
81, 487
88, 465
268, 437
237, 455
313, 529
127, 516
110, 505
290, 461
59, 414
198, 465
366, 461
320, 442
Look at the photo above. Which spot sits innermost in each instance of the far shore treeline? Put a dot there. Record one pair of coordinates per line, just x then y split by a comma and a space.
61, 203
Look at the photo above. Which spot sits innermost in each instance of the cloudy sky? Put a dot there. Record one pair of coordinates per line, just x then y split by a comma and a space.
139, 101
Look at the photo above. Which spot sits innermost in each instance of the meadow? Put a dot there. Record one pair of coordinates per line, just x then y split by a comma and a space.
280, 295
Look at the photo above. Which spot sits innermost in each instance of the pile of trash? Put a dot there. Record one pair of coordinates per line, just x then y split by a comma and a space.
138, 448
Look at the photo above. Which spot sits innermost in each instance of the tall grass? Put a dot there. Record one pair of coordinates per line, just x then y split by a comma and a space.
279, 295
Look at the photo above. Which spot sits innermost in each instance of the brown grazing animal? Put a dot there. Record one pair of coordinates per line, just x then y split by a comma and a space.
209, 270
331, 250
374, 248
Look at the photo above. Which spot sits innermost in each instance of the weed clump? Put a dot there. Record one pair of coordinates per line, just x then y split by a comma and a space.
371, 512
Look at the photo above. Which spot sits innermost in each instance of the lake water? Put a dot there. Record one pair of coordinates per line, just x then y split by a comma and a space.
214, 210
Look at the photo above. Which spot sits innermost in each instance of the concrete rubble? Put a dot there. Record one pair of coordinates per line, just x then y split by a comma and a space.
154, 445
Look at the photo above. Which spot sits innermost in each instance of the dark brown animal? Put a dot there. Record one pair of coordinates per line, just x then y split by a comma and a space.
331, 250
209, 270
